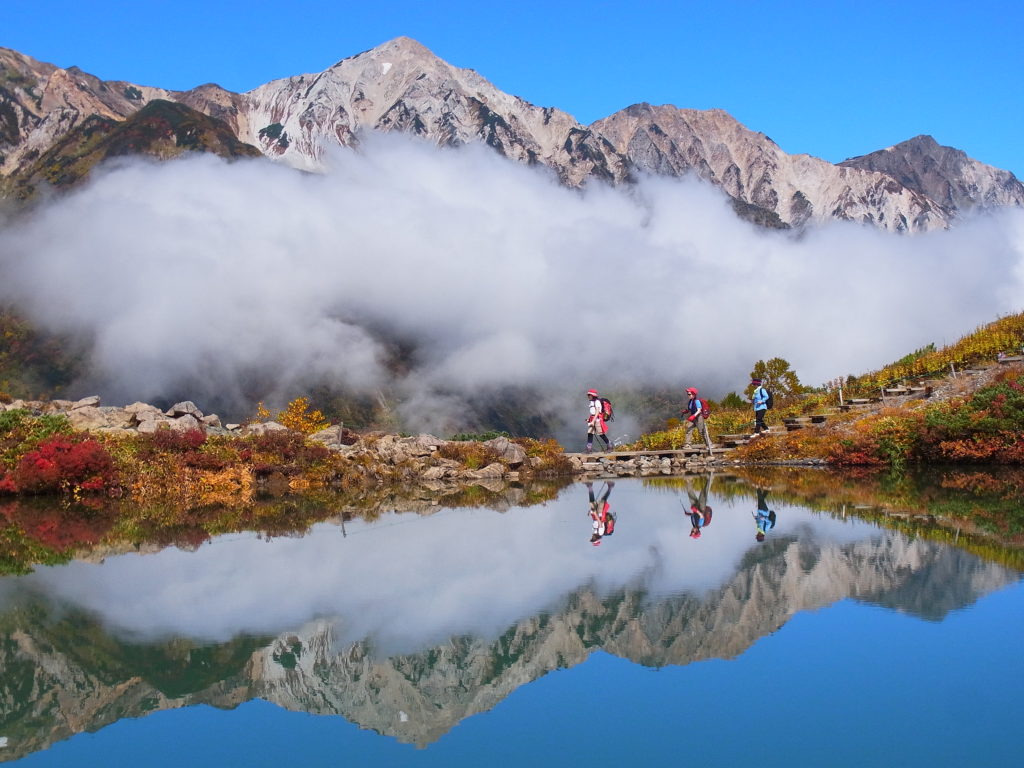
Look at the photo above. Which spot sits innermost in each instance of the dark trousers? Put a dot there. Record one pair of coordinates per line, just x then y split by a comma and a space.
759, 425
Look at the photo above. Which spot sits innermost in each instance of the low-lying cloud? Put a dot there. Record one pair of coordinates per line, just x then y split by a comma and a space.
199, 277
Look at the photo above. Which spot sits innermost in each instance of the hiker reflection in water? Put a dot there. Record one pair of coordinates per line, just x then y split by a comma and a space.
601, 515
700, 512
764, 517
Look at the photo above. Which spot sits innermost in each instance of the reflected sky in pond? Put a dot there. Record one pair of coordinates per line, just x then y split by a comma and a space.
482, 635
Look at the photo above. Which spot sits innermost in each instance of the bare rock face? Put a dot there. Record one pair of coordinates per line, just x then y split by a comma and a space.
40, 103
402, 86
944, 174
754, 171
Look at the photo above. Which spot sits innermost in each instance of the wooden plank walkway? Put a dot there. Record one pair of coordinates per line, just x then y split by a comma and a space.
665, 454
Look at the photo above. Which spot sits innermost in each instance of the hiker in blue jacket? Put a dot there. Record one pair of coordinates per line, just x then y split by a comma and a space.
764, 518
760, 400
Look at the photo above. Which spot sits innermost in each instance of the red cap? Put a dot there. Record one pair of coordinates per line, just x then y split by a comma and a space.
691, 391
591, 393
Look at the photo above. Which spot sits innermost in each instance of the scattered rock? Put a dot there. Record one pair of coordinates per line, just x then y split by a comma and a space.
186, 408
510, 453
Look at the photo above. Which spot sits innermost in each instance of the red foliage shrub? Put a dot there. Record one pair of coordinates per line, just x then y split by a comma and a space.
61, 463
862, 451
198, 460
172, 441
288, 447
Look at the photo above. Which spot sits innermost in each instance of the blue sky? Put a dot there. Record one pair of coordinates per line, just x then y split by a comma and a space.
834, 79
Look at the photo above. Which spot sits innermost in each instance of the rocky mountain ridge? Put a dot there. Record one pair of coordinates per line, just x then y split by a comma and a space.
58, 683
401, 86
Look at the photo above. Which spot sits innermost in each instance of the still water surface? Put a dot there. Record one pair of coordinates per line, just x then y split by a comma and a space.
472, 637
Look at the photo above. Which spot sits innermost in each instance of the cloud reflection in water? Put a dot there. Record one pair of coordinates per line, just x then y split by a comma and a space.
411, 582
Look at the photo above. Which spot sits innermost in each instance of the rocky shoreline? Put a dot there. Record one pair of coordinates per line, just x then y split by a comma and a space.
423, 459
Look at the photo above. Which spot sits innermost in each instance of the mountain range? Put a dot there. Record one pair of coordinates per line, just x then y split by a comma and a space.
56, 124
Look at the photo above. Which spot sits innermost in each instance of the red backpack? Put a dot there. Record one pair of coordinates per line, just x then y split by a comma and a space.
607, 412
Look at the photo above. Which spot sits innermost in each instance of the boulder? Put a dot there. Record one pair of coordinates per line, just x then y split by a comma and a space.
139, 409
511, 453
263, 428
331, 436
491, 471
93, 401
87, 417
58, 406
427, 444
213, 420
186, 423
434, 473
186, 408
117, 418
152, 424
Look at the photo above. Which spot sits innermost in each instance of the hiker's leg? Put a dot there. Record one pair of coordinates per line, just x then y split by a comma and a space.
607, 443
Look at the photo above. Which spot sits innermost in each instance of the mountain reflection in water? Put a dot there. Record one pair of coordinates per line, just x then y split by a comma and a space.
410, 624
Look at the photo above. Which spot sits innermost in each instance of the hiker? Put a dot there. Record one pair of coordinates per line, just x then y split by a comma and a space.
759, 398
695, 419
601, 516
764, 518
700, 512
595, 422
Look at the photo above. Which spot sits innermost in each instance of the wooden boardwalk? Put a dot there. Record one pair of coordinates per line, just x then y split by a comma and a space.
668, 453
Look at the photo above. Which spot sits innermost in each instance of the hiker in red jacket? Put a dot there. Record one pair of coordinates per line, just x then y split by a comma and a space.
601, 515
595, 422
700, 512
693, 413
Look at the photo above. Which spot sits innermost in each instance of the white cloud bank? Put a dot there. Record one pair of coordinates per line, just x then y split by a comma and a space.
197, 277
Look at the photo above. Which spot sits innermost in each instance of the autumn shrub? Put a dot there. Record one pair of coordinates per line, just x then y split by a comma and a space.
549, 455
20, 432
469, 455
479, 437
171, 441
895, 437
986, 426
1005, 334
296, 416
282, 451
65, 464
